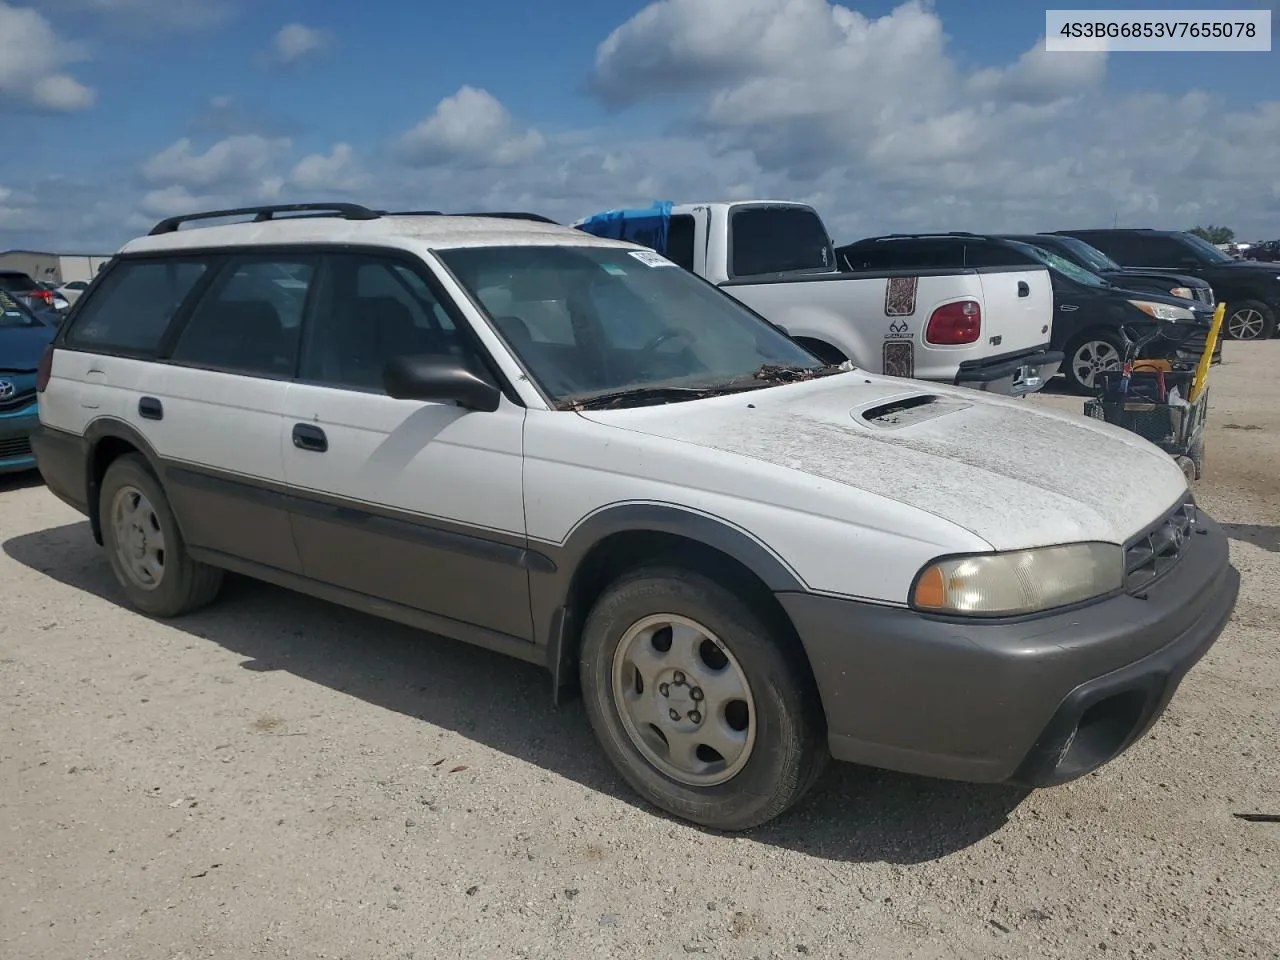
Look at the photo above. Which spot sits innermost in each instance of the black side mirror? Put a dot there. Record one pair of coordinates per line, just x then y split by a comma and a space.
445, 379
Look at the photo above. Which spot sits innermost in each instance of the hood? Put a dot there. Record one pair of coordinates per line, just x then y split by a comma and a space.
1173, 279
1015, 474
20, 347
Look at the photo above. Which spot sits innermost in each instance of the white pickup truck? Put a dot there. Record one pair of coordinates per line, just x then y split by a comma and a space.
986, 328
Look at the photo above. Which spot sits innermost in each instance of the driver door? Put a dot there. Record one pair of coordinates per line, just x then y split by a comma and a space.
412, 502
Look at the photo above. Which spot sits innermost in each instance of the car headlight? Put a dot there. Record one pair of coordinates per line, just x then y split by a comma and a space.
1019, 582
1186, 293
1163, 311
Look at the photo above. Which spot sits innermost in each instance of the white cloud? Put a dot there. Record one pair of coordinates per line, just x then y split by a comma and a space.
335, 172
31, 58
471, 126
873, 120
295, 42
234, 161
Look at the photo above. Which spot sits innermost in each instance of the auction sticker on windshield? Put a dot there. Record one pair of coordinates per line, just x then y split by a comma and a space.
651, 259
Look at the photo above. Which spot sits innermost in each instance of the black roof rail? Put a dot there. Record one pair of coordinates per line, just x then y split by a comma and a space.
347, 211
536, 217
951, 235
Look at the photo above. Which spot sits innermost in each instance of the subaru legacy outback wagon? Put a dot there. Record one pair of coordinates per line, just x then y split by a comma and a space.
569, 450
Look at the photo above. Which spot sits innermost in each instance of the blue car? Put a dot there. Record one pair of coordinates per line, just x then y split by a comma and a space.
23, 338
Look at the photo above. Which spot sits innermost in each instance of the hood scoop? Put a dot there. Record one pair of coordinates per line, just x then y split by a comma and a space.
905, 411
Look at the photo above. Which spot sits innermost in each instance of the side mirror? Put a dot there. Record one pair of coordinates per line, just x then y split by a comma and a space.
444, 379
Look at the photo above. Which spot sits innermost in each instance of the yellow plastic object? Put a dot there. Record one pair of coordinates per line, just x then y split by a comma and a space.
1206, 358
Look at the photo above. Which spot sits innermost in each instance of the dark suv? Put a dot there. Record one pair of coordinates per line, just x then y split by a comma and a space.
1131, 278
1251, 290
1088, 311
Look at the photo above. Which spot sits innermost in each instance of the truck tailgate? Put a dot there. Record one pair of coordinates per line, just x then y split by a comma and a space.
1017, 312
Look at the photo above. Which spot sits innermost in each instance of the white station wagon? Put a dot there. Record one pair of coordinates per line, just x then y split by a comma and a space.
568, 450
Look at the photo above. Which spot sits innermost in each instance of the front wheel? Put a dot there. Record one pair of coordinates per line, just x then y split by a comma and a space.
706, 711
1250, 320
1090, 355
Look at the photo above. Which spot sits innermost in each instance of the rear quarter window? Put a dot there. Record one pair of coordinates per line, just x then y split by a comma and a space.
131, 309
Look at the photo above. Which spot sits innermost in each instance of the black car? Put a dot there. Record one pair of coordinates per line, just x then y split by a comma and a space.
1089, 311
1251, 290
1266, 252
1095, 261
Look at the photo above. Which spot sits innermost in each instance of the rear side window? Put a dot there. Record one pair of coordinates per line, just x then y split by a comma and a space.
680, 240
16, 282
778, 239
131, 309
250, 319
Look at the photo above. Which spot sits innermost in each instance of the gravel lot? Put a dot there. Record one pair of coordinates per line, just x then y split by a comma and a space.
277, 777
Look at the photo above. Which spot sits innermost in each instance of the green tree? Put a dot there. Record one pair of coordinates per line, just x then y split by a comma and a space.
1214, 234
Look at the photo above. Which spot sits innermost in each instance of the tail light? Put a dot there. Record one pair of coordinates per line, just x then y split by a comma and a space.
45, 295
44, 370
953, 323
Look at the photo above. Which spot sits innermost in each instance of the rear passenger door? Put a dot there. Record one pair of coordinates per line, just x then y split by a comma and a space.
413, 502
215, 410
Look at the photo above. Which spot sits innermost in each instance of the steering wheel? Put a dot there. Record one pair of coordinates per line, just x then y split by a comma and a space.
667, 336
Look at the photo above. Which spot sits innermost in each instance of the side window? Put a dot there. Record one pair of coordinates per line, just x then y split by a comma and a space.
979, 254
132, 307
868, 256
250, 319
680, 234
1123, 248
371, 309
1167, 252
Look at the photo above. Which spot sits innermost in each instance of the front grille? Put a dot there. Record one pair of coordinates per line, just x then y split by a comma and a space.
1205, 294
1155, 552
11, 447
18, 400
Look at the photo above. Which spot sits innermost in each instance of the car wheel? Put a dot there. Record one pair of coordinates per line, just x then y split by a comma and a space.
708, 712
1088, 356
1249, 320
145, 546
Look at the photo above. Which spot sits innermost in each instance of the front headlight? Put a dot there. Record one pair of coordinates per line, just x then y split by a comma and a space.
1023, 581
1185, 293
1163, 311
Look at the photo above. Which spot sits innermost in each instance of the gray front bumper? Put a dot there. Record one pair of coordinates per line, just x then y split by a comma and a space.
1035, 700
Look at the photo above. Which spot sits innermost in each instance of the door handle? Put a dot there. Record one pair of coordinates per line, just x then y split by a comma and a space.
149, 408
307, 437
1024, 288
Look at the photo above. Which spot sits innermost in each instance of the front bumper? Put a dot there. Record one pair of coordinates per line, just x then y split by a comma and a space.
1012, 375
1034, 701
16, 428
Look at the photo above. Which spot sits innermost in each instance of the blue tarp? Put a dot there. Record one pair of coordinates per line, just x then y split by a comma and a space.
646, 226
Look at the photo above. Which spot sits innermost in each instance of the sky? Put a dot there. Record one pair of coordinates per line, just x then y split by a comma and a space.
886, 116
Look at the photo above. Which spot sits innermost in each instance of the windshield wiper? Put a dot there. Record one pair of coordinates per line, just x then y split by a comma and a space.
617, 398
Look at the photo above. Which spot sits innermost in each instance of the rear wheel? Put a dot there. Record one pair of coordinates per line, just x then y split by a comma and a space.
1092, 353
1249, 320
706, 711
145, 546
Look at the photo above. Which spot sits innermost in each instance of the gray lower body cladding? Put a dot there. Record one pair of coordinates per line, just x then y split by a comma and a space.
1035, 701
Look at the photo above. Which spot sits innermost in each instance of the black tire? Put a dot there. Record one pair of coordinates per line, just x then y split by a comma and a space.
1251, 311
789, 751
1075, 382
185, 585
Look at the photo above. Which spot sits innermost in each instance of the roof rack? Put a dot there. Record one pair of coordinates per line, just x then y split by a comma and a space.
535, 217
347, 211
954, 234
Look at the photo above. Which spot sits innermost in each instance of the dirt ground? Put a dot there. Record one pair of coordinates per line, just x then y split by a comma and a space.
278, 777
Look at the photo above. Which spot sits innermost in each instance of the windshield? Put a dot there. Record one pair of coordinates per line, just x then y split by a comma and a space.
778, 240
14, 314
1064, 266
589, 321
1093, 258
1206, 249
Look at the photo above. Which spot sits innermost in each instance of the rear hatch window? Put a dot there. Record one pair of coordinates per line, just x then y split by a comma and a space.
778, 240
